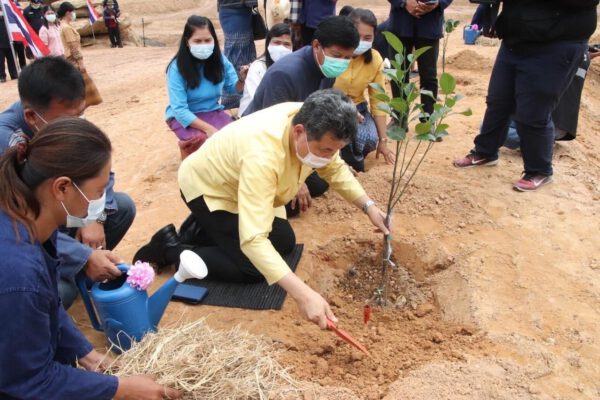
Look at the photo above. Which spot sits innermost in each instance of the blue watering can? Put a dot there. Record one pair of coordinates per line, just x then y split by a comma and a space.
127, 314
470, 34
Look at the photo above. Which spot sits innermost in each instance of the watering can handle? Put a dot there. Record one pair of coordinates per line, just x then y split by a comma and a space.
85, 296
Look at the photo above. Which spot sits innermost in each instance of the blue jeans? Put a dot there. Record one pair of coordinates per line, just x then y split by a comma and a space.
239, 45
115, 228
528, 86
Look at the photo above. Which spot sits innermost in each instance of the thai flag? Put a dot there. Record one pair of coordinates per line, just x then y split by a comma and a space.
20, 31
92, 12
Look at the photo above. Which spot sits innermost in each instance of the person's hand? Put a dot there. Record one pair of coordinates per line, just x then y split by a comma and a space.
210, 130
92, 235
412, 7
243, 73
423, 8
96, 361
594, 54
296, 34
144, 387
315, 308
377, 218
101, 266
360, 117
387, 154
302, 199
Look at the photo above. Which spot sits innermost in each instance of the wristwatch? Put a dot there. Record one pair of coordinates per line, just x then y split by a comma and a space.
367, 204
102, 218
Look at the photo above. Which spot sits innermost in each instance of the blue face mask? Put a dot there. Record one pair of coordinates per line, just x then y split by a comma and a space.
333, 67
202, 51
362, 48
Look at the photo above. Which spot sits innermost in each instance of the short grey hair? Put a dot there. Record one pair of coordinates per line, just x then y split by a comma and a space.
328, 111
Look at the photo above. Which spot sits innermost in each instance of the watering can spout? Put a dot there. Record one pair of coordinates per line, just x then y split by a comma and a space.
190, 266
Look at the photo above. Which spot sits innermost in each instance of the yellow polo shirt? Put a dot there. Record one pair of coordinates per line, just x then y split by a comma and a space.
250, 168
355, 80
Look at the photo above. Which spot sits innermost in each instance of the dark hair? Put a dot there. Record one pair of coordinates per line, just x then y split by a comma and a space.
47, 79
275, 31
45, 9
328, 111
337, 31
368, 18
71, 147
346, 10
64, 8
188, 64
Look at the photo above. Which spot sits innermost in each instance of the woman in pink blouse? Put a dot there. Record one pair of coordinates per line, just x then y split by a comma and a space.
50, 32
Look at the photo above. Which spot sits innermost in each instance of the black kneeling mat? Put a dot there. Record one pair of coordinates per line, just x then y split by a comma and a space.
252, 296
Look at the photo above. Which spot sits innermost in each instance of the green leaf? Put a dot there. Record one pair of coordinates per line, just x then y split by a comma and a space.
419, 52
447, 83
458, 97
441, 128
377, 87
391, 74
412, 96
437, 106
450, 102
394, 42
382, 97
385, 108
396, 132
410, 58
428, 137
399, 105
440, 134
428, 93
423, 128
467, 113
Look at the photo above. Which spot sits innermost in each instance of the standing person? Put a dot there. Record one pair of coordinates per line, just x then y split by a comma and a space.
278, 43
50, 33
235, 17
56, 179
311, 15
6, 55
72, 44
297, 76
420, 24
535, 64
51, 88
34, 14
197, 77
111, 13
237, 183
365, 68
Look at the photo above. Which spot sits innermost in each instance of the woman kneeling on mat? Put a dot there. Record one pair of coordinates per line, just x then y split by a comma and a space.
57, 179
237, 183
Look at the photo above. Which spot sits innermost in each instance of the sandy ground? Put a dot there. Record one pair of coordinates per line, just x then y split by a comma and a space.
502, 288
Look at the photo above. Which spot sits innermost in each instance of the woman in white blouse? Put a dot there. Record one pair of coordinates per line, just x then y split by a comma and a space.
278, 44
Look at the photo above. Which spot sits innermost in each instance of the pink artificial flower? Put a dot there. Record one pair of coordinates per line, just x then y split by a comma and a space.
140, 275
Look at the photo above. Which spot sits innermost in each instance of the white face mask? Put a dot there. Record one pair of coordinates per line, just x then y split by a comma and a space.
362, 48
202, 51
277, 51
51, 18
95, 210
311, 160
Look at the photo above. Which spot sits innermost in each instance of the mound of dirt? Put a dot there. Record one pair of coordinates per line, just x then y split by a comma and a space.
469, 60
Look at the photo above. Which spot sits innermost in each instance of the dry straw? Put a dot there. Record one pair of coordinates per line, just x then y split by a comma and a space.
210, 364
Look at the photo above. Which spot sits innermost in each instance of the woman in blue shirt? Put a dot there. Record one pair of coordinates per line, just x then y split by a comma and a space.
196, 78
58, 178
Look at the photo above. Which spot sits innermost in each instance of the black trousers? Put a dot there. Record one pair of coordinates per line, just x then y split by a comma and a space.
427, 67
6, 56
114, 34
307, 35
223, 256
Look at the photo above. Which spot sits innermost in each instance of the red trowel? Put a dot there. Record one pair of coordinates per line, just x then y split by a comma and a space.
346, 337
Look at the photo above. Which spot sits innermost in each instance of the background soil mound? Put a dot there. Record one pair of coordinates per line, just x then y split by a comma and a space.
469, 60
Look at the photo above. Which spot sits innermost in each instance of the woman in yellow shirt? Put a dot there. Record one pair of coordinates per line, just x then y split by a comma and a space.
366, 67
237, 184
72, 45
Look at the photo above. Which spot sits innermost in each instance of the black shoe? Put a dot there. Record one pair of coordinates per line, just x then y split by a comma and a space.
156, 250
2, 80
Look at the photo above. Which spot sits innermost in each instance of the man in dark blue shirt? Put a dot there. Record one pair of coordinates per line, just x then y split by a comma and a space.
297, 75
51, 88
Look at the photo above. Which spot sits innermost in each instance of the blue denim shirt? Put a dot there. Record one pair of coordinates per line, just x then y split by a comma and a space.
429, 26
39, 342
73, 253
